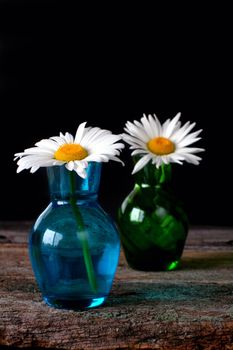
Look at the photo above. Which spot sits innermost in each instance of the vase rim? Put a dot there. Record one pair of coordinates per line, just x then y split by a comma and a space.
59, 179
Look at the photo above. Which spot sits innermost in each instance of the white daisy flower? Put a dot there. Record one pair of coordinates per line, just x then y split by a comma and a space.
162, 143
88, 145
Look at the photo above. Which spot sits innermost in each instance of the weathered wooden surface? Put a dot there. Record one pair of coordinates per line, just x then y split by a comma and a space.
191, 308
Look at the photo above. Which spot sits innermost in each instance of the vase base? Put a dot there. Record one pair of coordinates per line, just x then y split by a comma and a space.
144, 266
70, 304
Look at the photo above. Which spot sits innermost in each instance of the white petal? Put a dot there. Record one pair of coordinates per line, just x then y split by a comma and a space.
79, 133
38, 151
155, 126
18, 155
58, 162
31, 159
69, 138
189, 150
106, 140
20, 168
60, 141
165, 126
136, 131
165, 159
89, 135
188, 141
116, 159
182, 132
147, 126
82, 174
174, 157
34, 169
47, 144
96, 158
176, 136
191, 158
176, 160
81, 164
137, 123
92, 138
43, 163
158, 161
133, 141
171, 126
80, 171
84, 163
70, 165
141, 163
138, 151
158, 124
108, 150
117, 145
32, 162
188, 137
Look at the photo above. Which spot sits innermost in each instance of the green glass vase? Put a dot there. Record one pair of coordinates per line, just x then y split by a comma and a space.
153, 225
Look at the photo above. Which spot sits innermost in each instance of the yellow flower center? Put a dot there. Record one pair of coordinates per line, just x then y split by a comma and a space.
161, 146
70, 152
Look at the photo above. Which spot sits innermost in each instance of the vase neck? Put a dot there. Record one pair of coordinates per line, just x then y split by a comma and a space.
152, 176
64, 184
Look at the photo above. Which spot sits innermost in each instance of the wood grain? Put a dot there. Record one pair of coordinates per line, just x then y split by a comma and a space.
191, 308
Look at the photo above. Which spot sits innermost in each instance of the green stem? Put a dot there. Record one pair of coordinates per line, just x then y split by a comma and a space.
82, 235
163, 175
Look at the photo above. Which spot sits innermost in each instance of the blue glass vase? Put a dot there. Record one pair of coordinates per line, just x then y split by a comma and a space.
74, 245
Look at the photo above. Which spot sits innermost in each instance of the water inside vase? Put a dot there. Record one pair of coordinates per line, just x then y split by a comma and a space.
62, 274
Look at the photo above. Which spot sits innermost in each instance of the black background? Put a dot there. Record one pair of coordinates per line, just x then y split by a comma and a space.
60, 67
